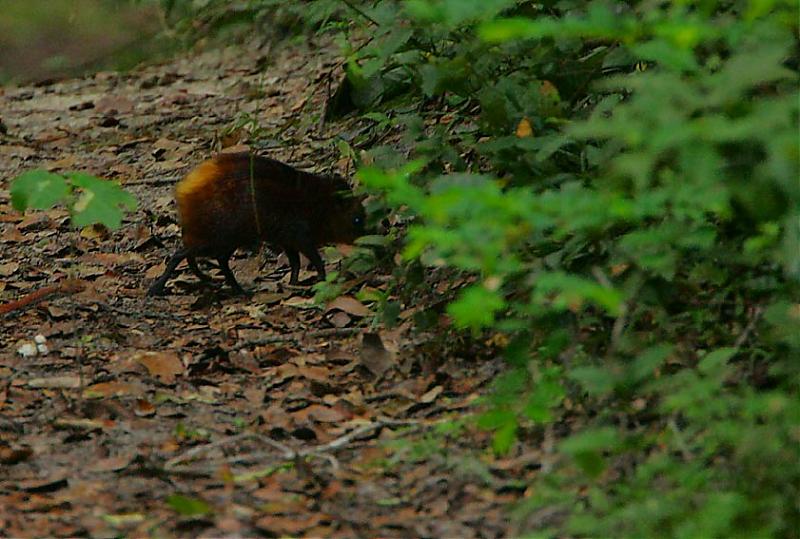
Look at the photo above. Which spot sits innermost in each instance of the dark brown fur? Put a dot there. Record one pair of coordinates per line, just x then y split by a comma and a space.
295, 211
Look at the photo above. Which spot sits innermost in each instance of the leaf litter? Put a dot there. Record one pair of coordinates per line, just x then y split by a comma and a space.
201, 413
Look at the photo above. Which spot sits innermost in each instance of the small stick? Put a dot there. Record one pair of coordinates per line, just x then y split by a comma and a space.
67, 286
289, 454
154, 181
297, 335
751, 325
194, 451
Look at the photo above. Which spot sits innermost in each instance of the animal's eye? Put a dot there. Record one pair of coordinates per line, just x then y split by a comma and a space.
357, 221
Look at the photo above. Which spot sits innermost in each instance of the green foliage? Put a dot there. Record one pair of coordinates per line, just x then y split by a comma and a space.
188, 507
622, 181
90, 199
618, 183
225, 21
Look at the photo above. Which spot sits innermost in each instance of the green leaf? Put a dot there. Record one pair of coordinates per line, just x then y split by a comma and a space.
586, 448
565, 291
476, 307
100, 201
649, 360
659, 50
504, 424
591, 462
545, 396
504, 437
597, 381
714, 362
495, 418
38, 189
188, 507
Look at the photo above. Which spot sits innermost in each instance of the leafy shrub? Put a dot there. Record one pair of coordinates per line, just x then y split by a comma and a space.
635, 181
90, 199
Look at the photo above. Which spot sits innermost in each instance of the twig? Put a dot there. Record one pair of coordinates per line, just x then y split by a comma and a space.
342, 440
288, 454
67, 286
200, 449
139, 313
751, 324
154, 181
297, 335
679, 439
385, 395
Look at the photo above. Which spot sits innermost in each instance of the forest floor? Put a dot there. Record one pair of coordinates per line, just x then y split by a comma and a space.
201, 413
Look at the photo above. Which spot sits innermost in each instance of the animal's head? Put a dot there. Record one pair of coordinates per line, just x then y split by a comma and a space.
347, 216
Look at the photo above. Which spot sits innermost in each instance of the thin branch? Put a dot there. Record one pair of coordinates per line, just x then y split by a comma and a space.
154, 181
342, 440
288, 454
751, 325
297, 336
200, 449
67, 286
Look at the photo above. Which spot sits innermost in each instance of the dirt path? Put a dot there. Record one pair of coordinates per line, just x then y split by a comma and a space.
201, 413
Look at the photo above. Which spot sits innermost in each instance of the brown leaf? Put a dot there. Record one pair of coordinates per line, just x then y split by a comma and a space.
109, 389
431, 395
163, 365
287, 525
144, 408
524, 128
9, 455
548, 89
323, 414
374, 356
348, 304
9, 268
57, 312
64, 163
55, 382
82, 423
113, 103
235, 148
340, 319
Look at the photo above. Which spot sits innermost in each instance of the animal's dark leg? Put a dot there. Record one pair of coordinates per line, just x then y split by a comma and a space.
229, 277
298, 238
313, 256
157, 288
294, 263
196, 269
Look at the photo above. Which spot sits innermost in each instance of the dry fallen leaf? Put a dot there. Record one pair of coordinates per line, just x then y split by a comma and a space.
144, 408
524, 128
348, 304
374, 356
9, 268
9, 455
324, 414
163, 365
114, 103
55, 382
109, 389
340, 319
431, 395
